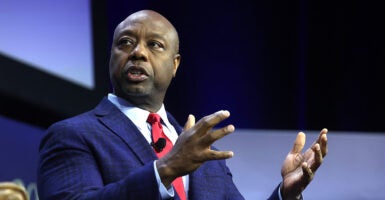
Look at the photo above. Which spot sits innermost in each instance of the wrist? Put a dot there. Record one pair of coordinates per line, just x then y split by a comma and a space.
295, 197
165, 173
287, 195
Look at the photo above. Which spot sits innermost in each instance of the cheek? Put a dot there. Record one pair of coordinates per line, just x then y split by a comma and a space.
116, 67
166, 73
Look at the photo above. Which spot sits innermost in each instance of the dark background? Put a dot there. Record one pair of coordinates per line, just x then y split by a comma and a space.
272, 64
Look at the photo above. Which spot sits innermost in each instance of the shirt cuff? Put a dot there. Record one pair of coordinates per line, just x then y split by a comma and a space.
279, 192
164, 192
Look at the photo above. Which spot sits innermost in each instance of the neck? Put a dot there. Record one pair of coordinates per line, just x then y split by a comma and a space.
149, 103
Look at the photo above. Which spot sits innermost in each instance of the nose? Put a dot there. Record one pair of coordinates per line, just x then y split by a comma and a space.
139, 52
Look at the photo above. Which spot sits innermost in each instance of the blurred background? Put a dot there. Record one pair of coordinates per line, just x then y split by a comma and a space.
279, 67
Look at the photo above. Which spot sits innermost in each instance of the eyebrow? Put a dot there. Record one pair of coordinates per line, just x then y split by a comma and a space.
125, 32
153, 35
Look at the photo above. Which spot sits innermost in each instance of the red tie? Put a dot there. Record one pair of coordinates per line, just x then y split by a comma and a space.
157, 132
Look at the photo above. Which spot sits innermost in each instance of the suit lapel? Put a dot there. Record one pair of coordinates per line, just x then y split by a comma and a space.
173, 122
123, 127
120, 125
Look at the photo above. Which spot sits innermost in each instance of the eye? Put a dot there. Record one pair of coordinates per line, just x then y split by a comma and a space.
125, 42
156, 45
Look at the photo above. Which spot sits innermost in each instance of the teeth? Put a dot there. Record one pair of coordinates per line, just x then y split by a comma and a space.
136, 72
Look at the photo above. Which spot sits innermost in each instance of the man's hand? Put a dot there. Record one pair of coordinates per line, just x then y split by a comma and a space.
192, 147
298, 168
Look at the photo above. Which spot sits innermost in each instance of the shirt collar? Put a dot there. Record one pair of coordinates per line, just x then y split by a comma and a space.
135, 114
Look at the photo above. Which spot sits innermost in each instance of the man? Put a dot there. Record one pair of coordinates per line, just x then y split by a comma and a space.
110, 152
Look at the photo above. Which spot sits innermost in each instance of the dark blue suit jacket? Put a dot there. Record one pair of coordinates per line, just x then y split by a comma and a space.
101, 154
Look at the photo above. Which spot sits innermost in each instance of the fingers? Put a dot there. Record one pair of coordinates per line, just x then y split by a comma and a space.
299, 143
202, 135
307, 173
215, 135
219, 155
190, 122
208, 122
318, 158
323, 141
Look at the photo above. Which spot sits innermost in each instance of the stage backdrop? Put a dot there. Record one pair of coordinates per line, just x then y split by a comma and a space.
274, 65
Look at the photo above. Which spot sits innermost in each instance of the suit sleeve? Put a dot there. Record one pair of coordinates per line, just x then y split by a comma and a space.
68, 170
275, 195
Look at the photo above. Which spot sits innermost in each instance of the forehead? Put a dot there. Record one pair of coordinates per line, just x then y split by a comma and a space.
144, 23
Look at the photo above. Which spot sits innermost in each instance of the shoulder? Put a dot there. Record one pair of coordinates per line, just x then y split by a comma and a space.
84, 121
75, 128
75, 121
71, 129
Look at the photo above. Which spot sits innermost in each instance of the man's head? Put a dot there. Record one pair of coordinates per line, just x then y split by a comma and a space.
144, 59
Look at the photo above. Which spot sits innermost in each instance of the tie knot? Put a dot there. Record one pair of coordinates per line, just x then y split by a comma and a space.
153, 118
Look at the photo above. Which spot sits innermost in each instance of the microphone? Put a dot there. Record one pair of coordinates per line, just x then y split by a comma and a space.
159, 145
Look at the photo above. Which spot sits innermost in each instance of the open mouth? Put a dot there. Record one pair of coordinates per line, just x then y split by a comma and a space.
136, 74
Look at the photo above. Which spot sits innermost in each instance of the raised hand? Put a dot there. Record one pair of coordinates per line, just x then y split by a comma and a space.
299, 168
192, 147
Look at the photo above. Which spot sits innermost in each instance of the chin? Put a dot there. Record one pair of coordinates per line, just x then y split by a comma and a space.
138, 92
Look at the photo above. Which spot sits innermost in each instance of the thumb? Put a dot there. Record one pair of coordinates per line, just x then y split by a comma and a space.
299, 143
190, 122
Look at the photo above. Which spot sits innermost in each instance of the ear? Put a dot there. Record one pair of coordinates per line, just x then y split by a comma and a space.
176, 64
